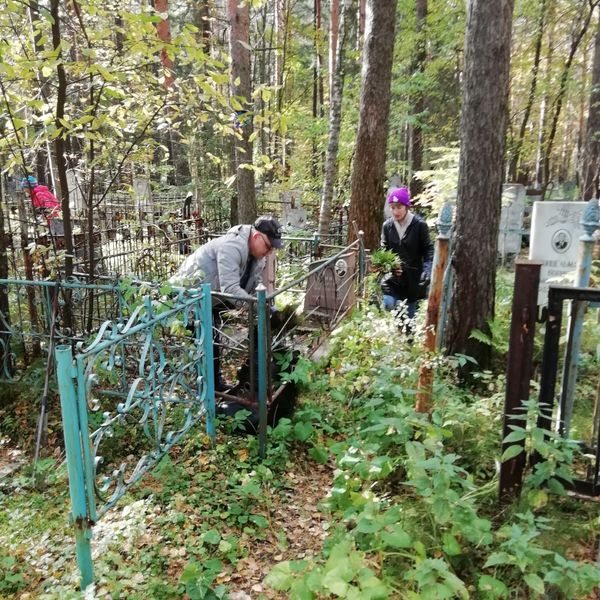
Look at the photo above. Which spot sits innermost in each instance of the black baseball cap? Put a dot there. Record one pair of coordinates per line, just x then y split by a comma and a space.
271, 228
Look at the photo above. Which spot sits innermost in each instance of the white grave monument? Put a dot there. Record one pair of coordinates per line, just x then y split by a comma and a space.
293, 215
555, 231
143, 195
511, 219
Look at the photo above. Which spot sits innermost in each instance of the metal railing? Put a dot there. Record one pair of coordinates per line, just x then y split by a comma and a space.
145, 382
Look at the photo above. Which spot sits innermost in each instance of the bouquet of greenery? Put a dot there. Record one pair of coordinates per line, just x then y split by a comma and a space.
385, 261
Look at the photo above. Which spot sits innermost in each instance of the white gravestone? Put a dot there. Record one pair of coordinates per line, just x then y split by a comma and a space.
143, 195
293, 215
511, 219
555, 231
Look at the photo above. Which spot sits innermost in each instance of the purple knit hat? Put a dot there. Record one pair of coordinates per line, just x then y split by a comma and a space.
399, 196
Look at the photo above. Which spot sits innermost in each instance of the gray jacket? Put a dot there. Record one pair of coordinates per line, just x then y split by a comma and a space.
222, 262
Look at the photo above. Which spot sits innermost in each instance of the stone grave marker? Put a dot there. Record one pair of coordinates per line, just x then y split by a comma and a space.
331, 290
293, 215
511, 219
555, 231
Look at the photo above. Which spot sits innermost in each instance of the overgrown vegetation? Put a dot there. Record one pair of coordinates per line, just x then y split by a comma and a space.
359, 497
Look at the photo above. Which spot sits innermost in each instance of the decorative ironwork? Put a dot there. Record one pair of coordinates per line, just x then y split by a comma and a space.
147, 381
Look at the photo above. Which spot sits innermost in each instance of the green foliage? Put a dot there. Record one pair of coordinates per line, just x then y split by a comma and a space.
414, 499
384, 261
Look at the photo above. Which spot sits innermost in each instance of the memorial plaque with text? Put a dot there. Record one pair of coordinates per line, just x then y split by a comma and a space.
555, 231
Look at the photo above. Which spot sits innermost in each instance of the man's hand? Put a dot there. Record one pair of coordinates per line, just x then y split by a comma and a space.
425, 278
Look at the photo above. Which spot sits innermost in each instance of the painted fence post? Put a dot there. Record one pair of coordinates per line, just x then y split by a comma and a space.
361, 260
444, 226
314, 246
518, 373
261, 343
75, 466
589, 222
434, 301
207, 343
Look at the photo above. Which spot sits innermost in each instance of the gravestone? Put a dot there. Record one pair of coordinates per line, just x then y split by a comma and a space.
293, 215
143, 195
269, 272
76, 202
330, 291
511, 219
555, 231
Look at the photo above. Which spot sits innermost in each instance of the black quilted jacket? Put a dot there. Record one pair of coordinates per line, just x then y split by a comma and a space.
416, 253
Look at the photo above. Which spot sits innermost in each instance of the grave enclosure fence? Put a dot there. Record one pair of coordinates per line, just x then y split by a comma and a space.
138, 388
147, 378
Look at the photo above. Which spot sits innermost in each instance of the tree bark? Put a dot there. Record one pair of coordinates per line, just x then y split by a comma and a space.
203, 19
335, 119
514, 163
334, 27
61, 167
368, 172
483, 132
416, 185
317, 98
360, 28
163, 30
239, 44
585, 18
5, 365
590, 172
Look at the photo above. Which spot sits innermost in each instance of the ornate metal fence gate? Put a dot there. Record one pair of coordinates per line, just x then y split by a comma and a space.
147, 380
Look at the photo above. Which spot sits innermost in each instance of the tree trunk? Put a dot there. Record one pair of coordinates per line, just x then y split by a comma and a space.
590, 172
360, 28
203, 19
281, 21
317, 98
163, 30
368, 172
239, 44
416, 185
585, 18
5, 364
483, 132
43, 164
334, 27
335, 119
61, 167
514, 163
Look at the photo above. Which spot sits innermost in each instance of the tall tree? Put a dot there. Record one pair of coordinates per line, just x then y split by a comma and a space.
483, 130
518, 145
580, 27
163, 30
416, 185
335, 121
239, 48
317, 96
590, 171
371, 141
334, 21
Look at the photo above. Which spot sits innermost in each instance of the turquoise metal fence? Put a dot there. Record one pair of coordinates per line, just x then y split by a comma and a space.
149, 378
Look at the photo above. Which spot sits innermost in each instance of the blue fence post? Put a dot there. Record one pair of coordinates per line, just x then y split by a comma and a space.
75, 466
589, 222
261, 343
444, 227
207, 341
